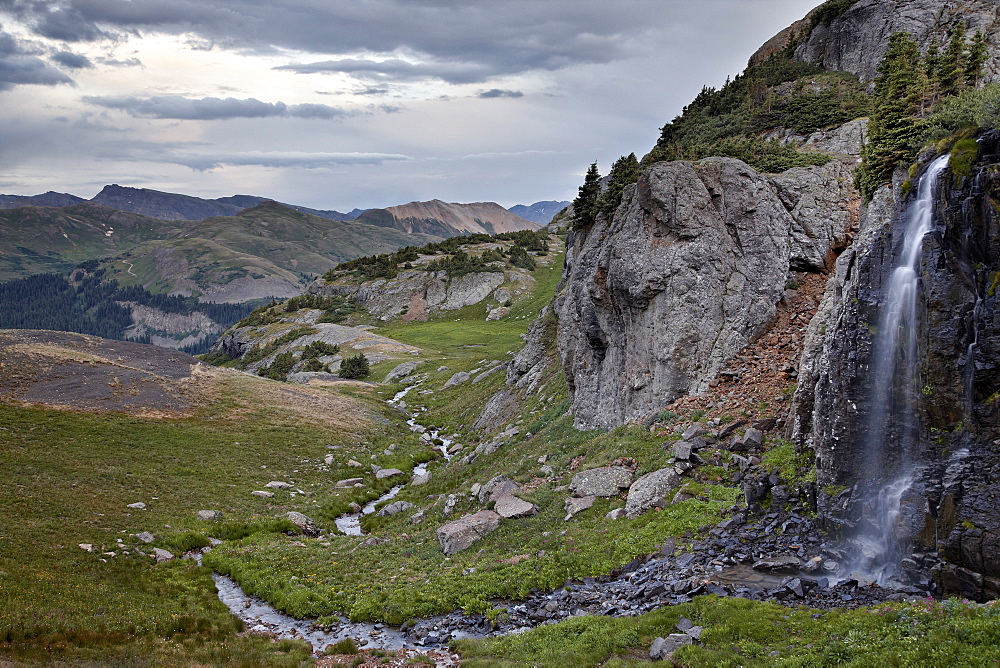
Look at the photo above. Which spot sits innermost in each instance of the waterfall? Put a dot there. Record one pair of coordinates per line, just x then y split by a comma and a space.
892, 427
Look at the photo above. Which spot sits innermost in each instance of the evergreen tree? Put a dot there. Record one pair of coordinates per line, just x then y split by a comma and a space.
623, 172
932, 67
978, 54
893, 125
354, 367
585, 206
951, 72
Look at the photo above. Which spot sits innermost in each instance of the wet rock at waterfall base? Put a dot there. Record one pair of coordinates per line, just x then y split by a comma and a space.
782, 563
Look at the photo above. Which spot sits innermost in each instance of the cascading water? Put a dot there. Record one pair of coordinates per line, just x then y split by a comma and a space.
892, 427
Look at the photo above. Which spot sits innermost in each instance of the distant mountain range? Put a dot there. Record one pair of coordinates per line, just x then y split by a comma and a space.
267, 250
175, 206
539, 212
448, 220
230, 249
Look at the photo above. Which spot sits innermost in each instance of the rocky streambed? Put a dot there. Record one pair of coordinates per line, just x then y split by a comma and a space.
782, 557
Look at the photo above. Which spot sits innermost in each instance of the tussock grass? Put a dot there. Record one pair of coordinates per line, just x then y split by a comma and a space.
748, 633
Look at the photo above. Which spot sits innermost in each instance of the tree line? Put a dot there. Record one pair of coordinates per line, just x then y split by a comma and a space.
83, 302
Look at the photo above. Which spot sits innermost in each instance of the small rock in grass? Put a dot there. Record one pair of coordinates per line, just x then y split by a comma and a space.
88, 547
649, 489
137, 506
664, 648
511, 507
328, 460
305, 525
394, 508
682, 450
262, 494
277, 484
161, 555
605, 481
356, 464
463, 532
145, 537
496, 488
422, 479
616, 514
349, 482
209, 515
458, 378
575, 505
693, 431
387, 473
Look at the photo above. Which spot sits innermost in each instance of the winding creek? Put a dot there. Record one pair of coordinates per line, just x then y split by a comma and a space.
261, 617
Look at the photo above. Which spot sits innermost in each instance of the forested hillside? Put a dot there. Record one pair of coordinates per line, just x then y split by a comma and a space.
86, 303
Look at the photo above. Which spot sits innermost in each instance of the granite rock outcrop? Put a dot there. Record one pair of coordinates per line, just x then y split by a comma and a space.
686, 274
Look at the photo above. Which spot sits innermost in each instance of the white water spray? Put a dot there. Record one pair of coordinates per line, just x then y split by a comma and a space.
893, 424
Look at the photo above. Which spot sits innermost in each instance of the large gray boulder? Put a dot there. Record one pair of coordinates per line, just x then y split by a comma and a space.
606, 481
458, 535
496, 488
400, 371
649, 490
687, 273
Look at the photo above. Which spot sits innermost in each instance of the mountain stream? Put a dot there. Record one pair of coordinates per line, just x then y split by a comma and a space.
260, 616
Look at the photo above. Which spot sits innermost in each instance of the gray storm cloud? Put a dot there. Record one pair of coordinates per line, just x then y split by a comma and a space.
20, 66
72, 60
179, 107
458, 42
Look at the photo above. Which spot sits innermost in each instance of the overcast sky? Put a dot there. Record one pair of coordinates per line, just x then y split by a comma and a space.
338, 104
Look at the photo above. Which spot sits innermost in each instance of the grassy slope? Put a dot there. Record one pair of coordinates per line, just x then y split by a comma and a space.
69, 476
41, 239
746, 633
205, 261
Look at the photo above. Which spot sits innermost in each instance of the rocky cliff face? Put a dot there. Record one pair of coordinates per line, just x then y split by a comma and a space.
856, 40
686, 275
950, 510
415, 294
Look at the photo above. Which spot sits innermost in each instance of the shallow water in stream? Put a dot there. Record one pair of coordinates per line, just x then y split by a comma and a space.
260, 616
